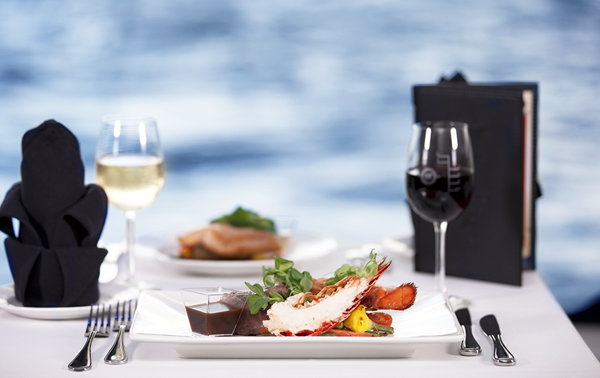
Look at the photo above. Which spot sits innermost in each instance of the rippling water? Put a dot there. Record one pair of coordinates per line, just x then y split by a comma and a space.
304, 108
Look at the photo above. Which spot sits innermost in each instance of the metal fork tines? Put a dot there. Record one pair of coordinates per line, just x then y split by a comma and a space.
123, 314
98, 325
102, 325
123, 317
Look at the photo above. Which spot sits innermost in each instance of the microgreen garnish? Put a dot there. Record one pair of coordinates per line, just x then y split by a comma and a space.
246, 218
258, 299
298, 282
369, 270
283, 272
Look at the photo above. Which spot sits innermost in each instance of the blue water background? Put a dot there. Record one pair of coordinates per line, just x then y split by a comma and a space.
303, 108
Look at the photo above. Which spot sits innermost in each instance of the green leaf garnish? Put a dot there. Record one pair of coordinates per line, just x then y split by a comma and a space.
282, 265
276, 296
269, 281
298, 282
306, 284
369, 270
246, 218
256, 303
283, 272
256, 288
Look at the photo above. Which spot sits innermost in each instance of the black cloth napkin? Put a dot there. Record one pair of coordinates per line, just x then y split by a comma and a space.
54, 259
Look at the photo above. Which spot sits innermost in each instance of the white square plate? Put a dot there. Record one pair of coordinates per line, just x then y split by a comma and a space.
161, 318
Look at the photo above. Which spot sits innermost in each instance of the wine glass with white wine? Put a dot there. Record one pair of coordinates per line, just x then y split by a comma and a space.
130, 168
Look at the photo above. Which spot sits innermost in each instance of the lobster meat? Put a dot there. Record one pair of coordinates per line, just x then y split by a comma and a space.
390, 298
318, 311
381, 297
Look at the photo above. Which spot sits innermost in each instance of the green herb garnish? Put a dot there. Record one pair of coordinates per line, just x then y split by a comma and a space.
297, 282
283, 272
369, 270
246, 218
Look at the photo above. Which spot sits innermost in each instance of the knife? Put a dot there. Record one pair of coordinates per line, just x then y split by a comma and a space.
469, 346
489, 326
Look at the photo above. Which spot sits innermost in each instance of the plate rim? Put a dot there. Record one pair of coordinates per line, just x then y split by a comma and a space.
46, 313
187, 342
237, 266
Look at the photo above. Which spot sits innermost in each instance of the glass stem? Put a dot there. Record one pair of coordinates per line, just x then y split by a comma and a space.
439, 274
130, 258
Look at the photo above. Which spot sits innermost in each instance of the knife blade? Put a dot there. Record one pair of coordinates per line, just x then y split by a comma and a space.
502, 356
469, 346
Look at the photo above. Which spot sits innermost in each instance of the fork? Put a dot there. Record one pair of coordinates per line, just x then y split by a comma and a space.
97, 326
117, 354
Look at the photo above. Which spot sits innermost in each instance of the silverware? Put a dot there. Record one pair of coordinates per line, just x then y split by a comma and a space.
489, 326
97, 326
117, 354
469, 346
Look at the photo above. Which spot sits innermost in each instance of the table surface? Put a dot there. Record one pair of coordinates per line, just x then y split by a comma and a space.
534, 327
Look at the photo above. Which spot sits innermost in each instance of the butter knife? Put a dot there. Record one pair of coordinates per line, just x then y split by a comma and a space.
489, 326
469, 346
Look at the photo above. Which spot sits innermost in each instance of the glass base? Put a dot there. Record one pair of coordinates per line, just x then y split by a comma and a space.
116, 260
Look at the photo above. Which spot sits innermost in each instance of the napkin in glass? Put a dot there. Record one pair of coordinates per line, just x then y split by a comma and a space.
53, 257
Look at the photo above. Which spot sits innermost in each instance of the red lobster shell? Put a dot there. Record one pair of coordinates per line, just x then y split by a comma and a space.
326, 326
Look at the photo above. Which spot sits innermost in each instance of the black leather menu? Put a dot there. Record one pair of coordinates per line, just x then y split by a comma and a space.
494, 238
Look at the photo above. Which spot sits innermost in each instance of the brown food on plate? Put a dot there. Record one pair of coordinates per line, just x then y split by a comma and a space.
219, 241
250, 325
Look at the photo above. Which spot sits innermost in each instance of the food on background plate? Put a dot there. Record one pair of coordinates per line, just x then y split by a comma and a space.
295, 304
241, 235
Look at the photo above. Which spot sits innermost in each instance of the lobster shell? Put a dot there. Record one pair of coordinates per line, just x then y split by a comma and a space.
326, 326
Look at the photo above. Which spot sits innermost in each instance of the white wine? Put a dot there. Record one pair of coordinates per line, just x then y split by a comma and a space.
131, 182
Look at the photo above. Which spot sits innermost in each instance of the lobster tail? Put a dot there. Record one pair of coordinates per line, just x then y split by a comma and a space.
349, 303
390, 298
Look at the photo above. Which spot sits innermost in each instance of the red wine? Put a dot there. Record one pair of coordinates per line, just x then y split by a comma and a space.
436, 196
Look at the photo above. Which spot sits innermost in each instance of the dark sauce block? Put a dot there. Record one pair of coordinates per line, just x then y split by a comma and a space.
214, 318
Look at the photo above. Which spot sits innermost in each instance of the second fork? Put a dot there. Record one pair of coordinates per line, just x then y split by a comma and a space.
96, 326
117, 354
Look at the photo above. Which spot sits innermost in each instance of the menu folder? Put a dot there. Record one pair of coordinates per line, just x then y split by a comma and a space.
494, 239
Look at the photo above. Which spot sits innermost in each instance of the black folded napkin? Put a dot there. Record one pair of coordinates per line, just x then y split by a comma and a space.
53, 259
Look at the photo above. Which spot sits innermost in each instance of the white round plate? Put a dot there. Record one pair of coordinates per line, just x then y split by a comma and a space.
301, 247
110, 293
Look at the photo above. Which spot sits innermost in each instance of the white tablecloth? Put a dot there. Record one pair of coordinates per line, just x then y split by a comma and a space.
534, 328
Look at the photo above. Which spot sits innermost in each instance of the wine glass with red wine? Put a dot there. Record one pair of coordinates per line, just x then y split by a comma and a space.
440, 178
